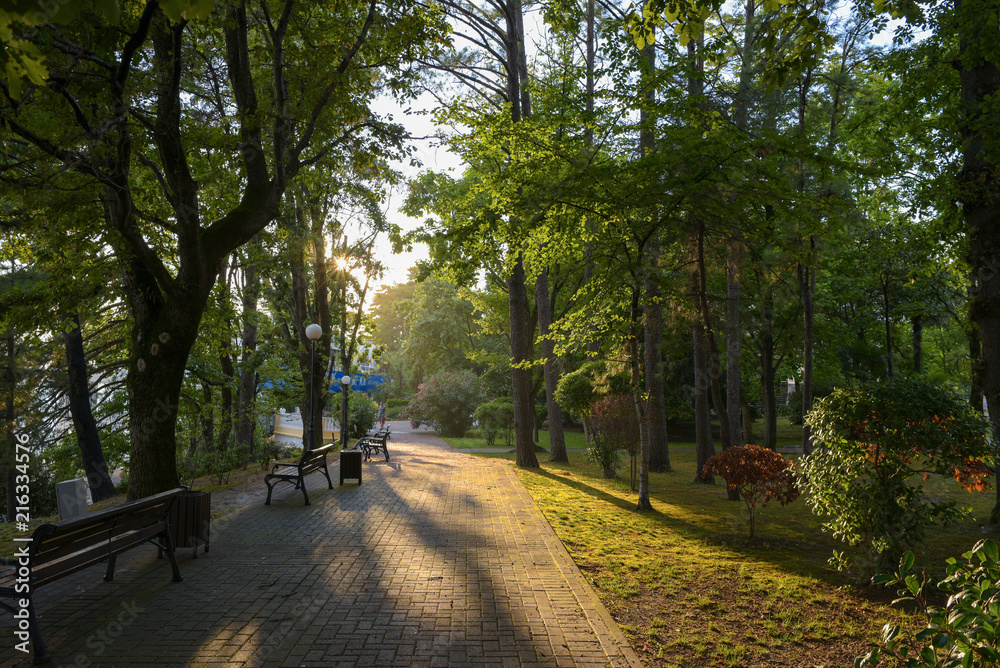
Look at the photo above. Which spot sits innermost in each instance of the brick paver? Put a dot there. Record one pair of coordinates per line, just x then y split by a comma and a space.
437, 559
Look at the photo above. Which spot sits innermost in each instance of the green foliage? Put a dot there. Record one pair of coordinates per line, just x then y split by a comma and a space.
793, 409
496, 417
362, 411
446, 401
577, 390
604, 453
962, 634
873, 441
758, 475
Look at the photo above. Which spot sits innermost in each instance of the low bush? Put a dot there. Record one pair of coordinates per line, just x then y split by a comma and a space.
496, 418
361, 413
613, 418
605, 454
874, 442
757, 474
446, 401
964, 632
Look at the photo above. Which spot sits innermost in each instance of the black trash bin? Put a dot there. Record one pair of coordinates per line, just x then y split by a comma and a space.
350, 465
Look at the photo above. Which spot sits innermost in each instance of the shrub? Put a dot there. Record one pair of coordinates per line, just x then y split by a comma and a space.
361, 413
873, 442
496, 417
603, 453
613, 418
446, 401
575, 393
962, 633
757, 474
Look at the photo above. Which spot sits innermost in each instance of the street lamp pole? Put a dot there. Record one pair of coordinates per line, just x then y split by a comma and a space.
345, 383
313, 332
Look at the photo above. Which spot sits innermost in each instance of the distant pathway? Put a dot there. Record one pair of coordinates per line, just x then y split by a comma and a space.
438, 559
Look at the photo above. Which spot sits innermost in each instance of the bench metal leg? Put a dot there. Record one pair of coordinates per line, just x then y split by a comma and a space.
109, 575
270, 488
172, 557
304, 492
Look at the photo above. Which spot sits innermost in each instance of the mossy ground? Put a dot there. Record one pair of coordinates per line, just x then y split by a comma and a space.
690, 589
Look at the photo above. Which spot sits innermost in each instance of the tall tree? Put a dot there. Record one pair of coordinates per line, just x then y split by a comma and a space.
173, 243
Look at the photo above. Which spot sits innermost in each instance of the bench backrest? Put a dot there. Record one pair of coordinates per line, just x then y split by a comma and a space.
60, 548
313, 460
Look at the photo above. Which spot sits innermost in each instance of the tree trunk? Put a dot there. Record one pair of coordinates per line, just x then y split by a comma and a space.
747, 422
807, 285
733, 394
657, 457
704, 447
524, 412
226, 392
87, 436
557, 440
593, 347
246, 397
659, 453
976, 362
161, 344
206, 415
979, 74
918, 344
767, 387
637, 396
715, 372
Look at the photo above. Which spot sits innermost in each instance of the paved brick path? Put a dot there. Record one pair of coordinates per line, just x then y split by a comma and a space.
437, 559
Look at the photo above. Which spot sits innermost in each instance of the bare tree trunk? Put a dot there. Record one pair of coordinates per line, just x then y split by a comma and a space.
87, 436
918, 343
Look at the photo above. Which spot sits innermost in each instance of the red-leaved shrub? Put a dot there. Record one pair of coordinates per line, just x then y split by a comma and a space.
758, 475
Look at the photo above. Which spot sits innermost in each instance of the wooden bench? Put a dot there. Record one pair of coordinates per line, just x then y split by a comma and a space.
295, 472
374, 443
58, 549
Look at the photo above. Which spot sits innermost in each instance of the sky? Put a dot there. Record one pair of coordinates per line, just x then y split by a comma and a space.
432, 156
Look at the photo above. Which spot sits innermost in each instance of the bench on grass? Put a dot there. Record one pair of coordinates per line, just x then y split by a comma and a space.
295, 472
61, 548
375, 443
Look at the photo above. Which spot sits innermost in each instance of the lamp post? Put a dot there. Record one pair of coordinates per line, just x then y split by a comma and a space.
313, 332
345, 382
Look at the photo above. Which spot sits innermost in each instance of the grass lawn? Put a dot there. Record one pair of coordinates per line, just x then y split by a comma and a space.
688, 587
